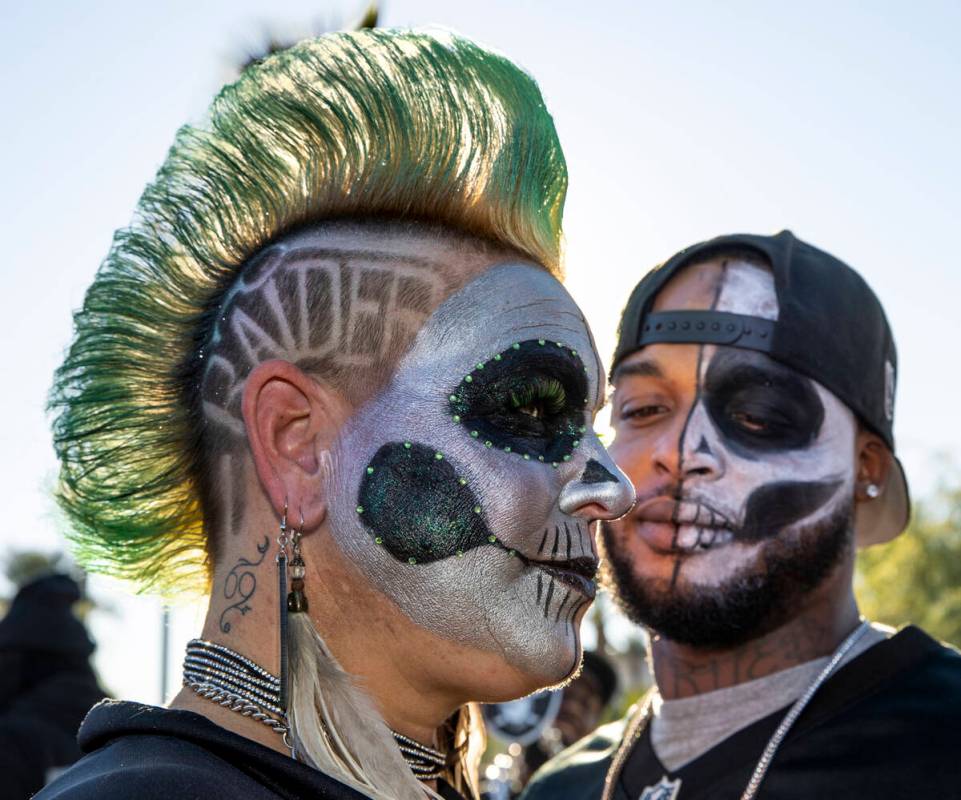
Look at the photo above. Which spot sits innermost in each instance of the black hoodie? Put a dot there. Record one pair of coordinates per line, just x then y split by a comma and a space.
150, 753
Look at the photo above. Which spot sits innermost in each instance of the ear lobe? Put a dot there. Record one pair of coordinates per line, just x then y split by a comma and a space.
882, 504
873, 465
291, 421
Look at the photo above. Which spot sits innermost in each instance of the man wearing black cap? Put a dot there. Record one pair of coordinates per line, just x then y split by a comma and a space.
753, 405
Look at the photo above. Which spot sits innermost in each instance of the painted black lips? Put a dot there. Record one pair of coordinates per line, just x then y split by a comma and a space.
578, 573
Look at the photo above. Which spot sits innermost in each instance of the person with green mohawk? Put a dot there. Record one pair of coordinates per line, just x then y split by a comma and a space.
329, 377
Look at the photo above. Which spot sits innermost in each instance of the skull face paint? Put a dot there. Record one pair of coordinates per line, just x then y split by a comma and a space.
465, 489
744, 471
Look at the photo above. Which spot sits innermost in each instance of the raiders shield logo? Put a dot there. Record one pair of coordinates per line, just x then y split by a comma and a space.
662, 790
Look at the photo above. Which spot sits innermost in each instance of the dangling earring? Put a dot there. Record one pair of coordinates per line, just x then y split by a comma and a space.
294, 602
283, 541
297, 600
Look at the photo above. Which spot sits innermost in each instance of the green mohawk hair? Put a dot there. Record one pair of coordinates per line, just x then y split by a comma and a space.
365, 124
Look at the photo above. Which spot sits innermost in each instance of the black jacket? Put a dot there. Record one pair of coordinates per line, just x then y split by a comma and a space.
149, 753
143, 752
887, 725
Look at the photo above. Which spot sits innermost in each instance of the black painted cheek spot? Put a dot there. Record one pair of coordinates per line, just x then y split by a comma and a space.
774, 506
413, 503
596, 472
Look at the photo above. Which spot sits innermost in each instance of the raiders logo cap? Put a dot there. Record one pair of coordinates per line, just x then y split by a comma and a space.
830, 327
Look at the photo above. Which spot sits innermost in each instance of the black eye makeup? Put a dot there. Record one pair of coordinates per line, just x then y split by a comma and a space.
528, 400
759, 405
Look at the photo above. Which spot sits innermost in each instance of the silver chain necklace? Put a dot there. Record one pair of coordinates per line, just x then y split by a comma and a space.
670, 788
235, 682
791, 717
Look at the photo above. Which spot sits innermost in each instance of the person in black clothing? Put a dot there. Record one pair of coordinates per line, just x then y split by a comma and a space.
753, 408
583, 703
46, 684
330, 374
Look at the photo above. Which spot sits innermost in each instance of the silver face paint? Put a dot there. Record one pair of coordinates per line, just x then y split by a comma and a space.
492, 597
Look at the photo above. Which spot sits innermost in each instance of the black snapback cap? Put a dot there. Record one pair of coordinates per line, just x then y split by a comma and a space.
830, 327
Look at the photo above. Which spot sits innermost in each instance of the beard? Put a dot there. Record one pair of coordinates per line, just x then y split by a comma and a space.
748, 604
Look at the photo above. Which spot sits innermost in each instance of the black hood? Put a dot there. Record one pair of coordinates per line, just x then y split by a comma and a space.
41, 619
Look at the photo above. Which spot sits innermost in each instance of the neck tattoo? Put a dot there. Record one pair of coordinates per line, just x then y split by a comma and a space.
233, 681
669, 789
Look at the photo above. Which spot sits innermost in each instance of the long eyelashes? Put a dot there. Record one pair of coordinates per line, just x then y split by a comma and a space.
539, 398
528, 400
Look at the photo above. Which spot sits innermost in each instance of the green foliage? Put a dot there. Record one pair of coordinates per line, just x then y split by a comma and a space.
917, 577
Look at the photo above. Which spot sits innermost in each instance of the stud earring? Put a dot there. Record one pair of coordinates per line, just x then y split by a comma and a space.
873, 490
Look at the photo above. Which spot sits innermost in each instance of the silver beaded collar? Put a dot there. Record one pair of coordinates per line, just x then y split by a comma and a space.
235, 682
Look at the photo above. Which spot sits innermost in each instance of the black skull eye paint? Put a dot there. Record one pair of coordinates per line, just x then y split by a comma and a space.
528, 400
760, 406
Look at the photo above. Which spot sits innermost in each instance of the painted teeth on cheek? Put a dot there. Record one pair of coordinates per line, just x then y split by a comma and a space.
550, 595
692, 538
560, 608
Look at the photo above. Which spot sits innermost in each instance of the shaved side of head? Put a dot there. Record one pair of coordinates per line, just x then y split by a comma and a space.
342, 302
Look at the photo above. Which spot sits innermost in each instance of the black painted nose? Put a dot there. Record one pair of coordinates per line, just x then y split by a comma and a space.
596, 472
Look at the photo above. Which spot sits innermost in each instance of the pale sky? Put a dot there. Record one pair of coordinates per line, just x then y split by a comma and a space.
838, 120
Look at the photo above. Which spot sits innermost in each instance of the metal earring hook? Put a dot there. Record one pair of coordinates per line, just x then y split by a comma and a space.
283, 540
282, 544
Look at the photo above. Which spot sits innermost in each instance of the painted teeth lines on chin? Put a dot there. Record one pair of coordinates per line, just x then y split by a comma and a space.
567, 605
